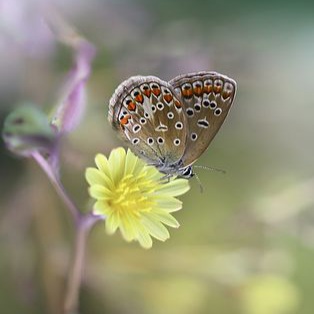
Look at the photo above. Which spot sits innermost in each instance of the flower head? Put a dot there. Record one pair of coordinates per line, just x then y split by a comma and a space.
133, 198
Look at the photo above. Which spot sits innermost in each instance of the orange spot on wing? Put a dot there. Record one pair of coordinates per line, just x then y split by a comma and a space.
187, 93
168, 97
139, 98
226, 94
198, 90
217, 89
147, 92
208, 88
177, 103
156, 91
125, 119
131, 105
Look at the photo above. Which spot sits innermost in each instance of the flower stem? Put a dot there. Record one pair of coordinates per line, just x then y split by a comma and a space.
83, 224
44, 164
77, 265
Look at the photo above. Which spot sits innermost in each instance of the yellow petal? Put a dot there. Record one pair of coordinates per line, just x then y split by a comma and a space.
165, 218
101, 208
144, 238
99, 192
117, 164
112, 223
94, 176
152, 173
174, 188
128, 227
154, 227
103, 164
168, 203
130, 163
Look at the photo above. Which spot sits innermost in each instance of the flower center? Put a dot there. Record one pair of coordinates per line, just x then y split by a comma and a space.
133, 195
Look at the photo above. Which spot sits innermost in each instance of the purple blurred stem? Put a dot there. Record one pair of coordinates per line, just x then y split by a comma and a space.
43, 163
83, 223
77, 266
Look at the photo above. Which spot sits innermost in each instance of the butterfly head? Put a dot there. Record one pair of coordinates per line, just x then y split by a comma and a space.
176, 169
186, 173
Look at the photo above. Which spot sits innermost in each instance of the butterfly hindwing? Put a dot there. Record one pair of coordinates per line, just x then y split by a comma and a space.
207, 98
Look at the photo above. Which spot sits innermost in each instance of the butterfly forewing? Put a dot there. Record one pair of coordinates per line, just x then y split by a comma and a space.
207, 98
150, 118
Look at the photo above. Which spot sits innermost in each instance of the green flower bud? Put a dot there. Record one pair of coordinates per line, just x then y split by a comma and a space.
27, 129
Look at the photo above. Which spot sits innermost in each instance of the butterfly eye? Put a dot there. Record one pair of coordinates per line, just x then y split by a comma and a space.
187, 172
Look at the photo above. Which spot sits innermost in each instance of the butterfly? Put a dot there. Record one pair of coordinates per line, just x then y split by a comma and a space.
170, 124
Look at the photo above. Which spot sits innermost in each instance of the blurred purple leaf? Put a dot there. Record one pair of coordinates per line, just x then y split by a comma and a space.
70, 109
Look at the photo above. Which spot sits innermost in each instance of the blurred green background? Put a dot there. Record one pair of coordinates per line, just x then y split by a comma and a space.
246, 245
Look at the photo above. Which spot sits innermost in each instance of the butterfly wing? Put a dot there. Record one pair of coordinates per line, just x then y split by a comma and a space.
150, 118
207, 98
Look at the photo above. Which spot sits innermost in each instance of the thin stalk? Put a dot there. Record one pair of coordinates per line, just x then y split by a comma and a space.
70, 205
76, 268
83, 224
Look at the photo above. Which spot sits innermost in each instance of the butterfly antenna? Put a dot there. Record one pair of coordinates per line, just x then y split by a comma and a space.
199, 182
211, 169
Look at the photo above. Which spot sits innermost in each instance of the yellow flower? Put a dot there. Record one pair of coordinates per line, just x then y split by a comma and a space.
133, 198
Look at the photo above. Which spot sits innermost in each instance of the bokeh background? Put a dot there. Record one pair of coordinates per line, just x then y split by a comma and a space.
246, 245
